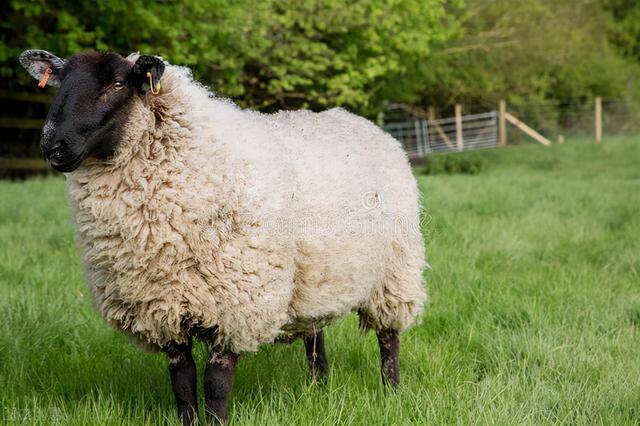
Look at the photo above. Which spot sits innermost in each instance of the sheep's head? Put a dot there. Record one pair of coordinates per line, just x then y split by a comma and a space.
92, 104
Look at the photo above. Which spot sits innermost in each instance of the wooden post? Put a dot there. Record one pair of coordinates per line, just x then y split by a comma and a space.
459, 139
439, 130
502, 120
598, 118
419, 137
432, 113
526, 129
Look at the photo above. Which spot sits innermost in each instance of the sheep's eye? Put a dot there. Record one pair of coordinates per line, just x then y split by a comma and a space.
118, 85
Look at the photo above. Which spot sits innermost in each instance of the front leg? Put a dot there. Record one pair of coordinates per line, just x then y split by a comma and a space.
389, 356
218, 378
182, 370
317, 357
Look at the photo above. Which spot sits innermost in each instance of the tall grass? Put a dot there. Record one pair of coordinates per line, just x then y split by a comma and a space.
534, 312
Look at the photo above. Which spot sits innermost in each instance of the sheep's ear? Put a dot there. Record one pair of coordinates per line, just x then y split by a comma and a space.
37, 62
146, 73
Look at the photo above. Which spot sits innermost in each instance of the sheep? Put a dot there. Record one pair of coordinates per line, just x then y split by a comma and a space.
198, 219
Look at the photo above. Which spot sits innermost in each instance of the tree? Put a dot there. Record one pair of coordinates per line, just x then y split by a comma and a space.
274, 54
268, 54
528, 52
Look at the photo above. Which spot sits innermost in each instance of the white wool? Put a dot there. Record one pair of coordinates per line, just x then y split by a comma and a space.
210, 217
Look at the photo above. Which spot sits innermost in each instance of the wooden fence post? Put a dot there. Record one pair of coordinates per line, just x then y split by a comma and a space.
526, 129
598, 119
459, 139
502, 120
439, 130
417, 125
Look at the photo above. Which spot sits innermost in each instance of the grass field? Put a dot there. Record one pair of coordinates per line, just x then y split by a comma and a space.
534, 315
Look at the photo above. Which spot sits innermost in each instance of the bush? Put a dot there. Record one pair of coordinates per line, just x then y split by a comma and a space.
470, 163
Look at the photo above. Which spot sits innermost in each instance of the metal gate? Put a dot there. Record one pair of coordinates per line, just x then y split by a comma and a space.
421, 137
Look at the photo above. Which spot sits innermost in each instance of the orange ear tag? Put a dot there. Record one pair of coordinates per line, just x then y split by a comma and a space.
45, 78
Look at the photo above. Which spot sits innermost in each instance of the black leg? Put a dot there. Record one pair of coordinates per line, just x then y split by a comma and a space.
316, 355
389, 356
182, 369
218, 377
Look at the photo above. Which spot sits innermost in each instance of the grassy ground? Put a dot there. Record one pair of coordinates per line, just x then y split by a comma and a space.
534, 314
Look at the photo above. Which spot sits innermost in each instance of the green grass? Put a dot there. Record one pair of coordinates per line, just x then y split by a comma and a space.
534, 315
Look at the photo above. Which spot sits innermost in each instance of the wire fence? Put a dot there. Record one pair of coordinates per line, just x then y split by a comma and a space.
22, 116
420, 136
556, 121
578, 119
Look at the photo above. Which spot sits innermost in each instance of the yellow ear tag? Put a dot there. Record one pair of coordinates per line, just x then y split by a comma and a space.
157, 88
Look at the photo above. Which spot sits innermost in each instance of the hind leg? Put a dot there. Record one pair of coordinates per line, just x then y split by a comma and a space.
389, 342
392, 308
182, 369
218, 378
314, 346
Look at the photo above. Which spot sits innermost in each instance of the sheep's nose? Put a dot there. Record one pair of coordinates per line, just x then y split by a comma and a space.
55, 151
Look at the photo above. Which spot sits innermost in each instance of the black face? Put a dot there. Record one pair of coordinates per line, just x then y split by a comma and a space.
87, 112
92, 105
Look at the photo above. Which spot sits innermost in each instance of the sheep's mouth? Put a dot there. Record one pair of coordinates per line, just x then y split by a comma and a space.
67, 166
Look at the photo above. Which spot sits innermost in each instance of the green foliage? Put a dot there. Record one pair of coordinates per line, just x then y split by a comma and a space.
318, 54
270, 53
529, 52
625, 26
273, 54
471, 163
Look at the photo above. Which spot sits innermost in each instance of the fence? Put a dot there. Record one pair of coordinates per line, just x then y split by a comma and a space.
616, 117
463, 132
542, 122
22, 116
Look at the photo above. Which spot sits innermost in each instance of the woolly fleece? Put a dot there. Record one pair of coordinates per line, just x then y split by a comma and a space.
211, 217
